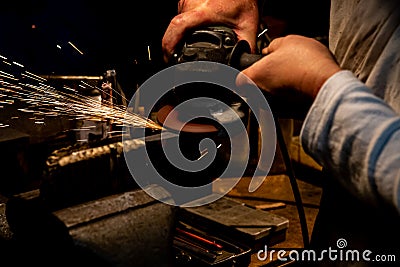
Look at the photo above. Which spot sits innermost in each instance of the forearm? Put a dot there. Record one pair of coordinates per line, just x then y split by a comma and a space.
356, 136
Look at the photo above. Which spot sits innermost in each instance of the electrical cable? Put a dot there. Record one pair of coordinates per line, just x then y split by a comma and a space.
293, 181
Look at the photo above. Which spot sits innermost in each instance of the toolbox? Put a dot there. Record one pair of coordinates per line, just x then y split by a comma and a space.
224, 233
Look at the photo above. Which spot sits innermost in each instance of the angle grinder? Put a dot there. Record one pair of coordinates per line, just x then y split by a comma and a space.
217, 44
219, 105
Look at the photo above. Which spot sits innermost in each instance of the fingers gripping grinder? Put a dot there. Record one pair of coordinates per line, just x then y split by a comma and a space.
218, 44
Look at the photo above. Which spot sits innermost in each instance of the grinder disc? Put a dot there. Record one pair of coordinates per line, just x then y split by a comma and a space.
175, 123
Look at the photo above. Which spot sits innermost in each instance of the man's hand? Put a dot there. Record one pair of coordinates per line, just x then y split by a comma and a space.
292, 63
239, 15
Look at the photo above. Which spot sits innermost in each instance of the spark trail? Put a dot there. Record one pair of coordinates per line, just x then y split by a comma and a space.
43, 100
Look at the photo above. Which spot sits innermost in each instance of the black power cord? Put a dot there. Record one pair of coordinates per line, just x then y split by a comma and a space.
293, 181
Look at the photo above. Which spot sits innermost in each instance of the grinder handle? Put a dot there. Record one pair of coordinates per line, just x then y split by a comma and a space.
247, 59
241, 56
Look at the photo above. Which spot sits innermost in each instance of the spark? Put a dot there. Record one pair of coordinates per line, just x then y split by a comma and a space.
18, 64
76, 48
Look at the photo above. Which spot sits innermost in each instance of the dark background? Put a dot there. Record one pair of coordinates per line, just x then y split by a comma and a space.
111, 34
